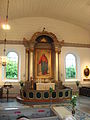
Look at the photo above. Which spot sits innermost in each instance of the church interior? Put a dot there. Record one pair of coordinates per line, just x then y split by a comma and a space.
44, 59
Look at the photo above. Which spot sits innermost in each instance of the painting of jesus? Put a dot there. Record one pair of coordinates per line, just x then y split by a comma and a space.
43, 63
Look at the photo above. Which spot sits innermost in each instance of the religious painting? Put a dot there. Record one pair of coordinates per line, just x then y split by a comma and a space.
43, 63
86, 71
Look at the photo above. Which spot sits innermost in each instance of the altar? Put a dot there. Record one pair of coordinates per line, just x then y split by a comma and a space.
45, 86
43, 70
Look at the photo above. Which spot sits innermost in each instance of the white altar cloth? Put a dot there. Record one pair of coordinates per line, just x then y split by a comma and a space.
45, 86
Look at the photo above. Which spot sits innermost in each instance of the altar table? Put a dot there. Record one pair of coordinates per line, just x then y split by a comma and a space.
45, 86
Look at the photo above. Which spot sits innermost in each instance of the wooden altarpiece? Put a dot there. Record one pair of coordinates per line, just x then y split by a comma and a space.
42, 43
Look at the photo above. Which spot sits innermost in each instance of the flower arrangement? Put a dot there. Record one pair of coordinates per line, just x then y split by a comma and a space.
51, 89
73, 102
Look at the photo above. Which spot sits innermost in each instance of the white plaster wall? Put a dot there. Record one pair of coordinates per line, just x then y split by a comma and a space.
83, 55
20, 49
26, 27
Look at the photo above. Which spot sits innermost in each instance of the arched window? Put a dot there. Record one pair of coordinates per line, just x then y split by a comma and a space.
12, 66
70, 67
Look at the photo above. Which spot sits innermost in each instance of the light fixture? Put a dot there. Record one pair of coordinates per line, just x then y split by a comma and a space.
4, 57
5, 25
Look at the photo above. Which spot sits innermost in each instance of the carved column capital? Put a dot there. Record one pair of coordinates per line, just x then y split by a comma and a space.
57, 50
27, 50
26, 42
31, 46
31, 49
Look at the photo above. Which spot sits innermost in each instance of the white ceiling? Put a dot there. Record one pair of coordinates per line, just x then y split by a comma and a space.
73, 11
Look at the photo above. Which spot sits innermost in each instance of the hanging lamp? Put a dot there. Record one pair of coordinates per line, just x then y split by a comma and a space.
4, 57
5, 25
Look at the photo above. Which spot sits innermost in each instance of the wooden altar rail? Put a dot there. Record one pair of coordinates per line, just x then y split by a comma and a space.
44, 95
36, 101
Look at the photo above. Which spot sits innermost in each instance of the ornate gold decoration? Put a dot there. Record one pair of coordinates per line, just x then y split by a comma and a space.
43, 40
86, 72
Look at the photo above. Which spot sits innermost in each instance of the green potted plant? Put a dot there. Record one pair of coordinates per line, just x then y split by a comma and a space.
73, 103
77, 84
50, 90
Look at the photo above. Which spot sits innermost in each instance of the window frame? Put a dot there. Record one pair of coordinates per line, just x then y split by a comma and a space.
4, 79
17, 67
71, 79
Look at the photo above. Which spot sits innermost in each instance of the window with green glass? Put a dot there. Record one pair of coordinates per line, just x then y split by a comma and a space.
12, 66
70, 66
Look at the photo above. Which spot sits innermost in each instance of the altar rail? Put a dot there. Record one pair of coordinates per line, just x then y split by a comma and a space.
46, 95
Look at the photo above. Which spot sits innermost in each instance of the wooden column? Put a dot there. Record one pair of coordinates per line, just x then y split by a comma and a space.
56, 73
57, 62
27, 56
31, 63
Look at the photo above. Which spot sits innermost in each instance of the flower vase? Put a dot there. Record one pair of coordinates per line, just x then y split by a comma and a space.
73, 111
